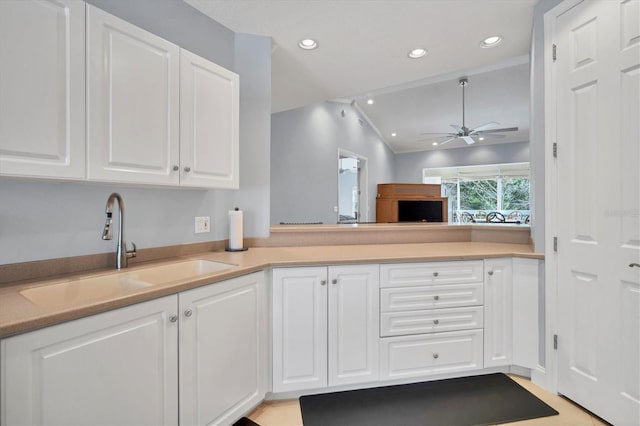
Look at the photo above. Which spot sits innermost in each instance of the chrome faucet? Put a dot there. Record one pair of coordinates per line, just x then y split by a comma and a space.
122, 254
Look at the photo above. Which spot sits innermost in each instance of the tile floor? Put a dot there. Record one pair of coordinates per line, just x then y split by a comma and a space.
287, 412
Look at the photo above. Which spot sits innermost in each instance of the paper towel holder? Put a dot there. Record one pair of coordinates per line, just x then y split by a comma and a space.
236, 249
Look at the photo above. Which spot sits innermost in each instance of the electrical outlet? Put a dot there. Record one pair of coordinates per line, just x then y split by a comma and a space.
335, 209
203, 224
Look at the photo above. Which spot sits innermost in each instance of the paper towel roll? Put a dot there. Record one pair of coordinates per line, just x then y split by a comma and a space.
235, 229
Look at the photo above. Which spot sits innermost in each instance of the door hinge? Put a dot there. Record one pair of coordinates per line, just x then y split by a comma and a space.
555, 341
555, 150
555, 243
555, 52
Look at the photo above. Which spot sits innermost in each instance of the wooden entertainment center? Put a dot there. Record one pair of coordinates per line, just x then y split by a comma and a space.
410, 202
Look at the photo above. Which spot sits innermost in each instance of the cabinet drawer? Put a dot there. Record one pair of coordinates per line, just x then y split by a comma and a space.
428, 354
430, 321
418, 274
429, 297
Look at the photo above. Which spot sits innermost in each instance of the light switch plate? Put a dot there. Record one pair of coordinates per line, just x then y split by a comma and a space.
202, 224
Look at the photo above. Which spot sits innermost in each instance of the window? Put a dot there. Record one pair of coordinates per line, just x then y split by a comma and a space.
475, 191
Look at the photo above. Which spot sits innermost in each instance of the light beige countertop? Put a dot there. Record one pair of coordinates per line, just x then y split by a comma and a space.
18, 314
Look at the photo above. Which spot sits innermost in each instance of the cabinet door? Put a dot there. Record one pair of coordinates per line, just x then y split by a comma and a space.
497, 312
132, 102
116, 368
209, 96
354, 317
299, 328
526, 302
42, 91
223, 350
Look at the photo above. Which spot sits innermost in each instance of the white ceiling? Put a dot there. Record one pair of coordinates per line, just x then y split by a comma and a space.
363, 47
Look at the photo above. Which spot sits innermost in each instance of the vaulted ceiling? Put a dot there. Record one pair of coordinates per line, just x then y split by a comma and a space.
363, 52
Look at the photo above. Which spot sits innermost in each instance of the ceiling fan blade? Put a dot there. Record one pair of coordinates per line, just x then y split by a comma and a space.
443, 134
490, 135
485, 126
457, 128
506, 129
447, 141
468, 139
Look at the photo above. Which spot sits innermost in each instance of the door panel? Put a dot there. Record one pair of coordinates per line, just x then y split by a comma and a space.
598, 223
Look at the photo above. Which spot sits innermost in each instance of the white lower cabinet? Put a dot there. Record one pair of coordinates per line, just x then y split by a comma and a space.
223, 350
198, 357
432, 318
116, 368
498, 325
325, 326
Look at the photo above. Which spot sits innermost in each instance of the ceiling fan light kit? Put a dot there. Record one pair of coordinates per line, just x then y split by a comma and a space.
481, 132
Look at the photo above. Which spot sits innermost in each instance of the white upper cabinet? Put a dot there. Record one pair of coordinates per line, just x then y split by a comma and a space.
42, 79
157, 114
209, 96
132, 103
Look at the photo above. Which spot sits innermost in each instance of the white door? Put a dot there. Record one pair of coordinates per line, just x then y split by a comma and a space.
299, 328
209, 109
223, 355
498, 323
354, 324
597, 74
132, 103
42, 117
115, 368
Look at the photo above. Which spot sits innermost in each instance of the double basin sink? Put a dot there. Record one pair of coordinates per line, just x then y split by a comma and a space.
73, 291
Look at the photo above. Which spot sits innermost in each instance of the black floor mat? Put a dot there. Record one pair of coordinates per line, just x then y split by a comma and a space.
476, 400
245, 422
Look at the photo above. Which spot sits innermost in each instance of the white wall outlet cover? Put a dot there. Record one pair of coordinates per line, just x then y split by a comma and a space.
202, 224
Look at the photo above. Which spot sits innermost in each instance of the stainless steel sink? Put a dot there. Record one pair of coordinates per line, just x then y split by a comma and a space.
73, 291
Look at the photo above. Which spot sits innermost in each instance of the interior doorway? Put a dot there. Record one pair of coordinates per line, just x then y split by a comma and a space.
352, 185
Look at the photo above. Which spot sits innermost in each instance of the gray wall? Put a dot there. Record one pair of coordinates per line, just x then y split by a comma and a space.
44, 220
304, 160
537, 122
409, 166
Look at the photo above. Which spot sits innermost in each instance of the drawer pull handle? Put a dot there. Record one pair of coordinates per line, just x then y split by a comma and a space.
436, 356
436, 297
435, 274
436, 322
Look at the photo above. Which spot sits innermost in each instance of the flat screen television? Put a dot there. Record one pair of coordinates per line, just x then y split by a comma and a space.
420, 211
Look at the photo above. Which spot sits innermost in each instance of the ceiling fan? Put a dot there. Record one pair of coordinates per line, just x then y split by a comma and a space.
463, 132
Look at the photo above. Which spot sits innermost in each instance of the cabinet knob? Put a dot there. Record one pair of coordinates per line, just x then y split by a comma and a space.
334, 281
176, 168
173, 318
436, 322
490, 273
436, 297
323, 282
187, 169
435, 274
436, 356
188, 313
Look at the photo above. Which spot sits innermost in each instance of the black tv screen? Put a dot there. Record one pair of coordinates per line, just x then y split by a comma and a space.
419, 211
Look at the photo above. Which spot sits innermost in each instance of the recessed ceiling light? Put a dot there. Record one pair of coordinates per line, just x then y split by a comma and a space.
417, 53
394, 135
491, 41
308, 44
435, 144
370, 101
480, 138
